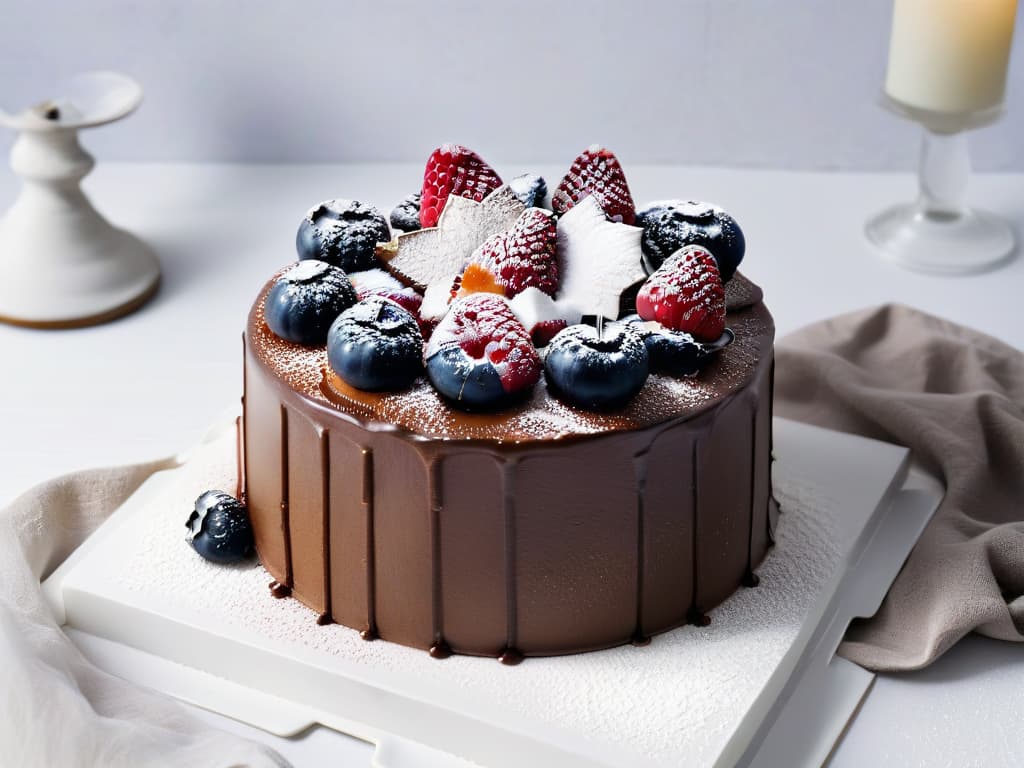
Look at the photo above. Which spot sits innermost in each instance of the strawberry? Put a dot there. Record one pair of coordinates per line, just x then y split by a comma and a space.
686, 294
596, 172
454, 170
523, 257
480, 355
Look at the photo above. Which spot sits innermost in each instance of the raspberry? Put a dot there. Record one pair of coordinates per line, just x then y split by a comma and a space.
523, 257
596, 172
686, 294
454, 170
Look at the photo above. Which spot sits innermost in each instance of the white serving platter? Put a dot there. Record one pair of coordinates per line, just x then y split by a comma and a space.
760, 686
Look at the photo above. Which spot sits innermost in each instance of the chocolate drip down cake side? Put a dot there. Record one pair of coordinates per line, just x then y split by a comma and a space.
509, 423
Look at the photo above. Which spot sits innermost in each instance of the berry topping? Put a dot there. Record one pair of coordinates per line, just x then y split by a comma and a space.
531, 189
480, 356
523, 257
343, 233
596, 369
596, 172
377, 282
675, 353
406, 215
453, 170
671, 224
305, 300
599, 261
376, 345
686, 294
219, 528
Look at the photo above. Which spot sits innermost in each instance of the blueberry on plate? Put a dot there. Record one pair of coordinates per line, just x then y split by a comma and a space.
671, 224
530, 188
305, 300
596, 370
376, 346
406, 215
675, 353
344, 233
219, 528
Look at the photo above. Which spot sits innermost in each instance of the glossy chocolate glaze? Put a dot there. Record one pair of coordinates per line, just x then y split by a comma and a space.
541, 530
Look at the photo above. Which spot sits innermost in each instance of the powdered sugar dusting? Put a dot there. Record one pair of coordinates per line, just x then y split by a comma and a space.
422, 411
678, 699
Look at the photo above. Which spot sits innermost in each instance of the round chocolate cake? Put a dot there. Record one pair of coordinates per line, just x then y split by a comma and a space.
543, 514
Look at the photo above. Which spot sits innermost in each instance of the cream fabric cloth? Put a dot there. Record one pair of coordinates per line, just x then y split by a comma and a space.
955, 397
57, 709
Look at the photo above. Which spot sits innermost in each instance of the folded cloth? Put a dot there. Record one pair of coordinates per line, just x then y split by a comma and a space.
55, 707
955, 397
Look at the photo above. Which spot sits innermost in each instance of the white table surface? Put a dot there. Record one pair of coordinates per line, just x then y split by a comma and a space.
148, 385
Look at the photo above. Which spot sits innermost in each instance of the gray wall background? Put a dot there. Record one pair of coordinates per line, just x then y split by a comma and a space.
764, 83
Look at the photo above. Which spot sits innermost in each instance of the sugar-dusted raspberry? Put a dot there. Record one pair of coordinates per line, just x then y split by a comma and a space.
686, 294
454, 170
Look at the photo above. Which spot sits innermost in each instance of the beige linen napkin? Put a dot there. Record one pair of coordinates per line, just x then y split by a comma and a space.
57, 709
955, 397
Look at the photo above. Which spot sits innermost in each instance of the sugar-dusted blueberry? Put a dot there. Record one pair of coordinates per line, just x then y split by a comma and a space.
675, 353
344, 233
305, 300
219, 528
376, 345
530, 188
596, 369
670, 224
406, 215
480, 356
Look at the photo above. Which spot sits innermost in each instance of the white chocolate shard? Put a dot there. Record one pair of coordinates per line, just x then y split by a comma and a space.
375, 280
437, 298
426, 256
533, 306
598, 260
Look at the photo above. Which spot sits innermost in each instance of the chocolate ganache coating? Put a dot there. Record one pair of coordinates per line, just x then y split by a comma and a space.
537, 530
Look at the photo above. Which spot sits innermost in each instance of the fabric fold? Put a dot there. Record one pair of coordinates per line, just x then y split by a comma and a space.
955, 397
59, 709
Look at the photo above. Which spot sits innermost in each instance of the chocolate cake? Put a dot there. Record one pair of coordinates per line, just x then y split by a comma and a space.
541, 523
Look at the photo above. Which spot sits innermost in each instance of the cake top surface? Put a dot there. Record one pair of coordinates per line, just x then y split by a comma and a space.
420, 410
489, 311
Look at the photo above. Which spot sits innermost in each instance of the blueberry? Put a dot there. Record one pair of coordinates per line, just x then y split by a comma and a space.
305, 300
406, 215
219, 528
344, 233
671, 224
376, 345
675, 353
530, 188
473, 384
596, 371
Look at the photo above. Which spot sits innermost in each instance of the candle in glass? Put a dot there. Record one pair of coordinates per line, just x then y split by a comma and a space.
950, 56
947, 71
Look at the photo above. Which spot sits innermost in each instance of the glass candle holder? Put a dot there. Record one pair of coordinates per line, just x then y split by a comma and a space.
938, 232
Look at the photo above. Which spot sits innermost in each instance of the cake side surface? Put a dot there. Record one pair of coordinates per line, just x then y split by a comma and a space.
541, 530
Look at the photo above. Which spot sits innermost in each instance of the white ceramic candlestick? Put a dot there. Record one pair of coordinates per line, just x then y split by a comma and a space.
61, 263
947, 71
